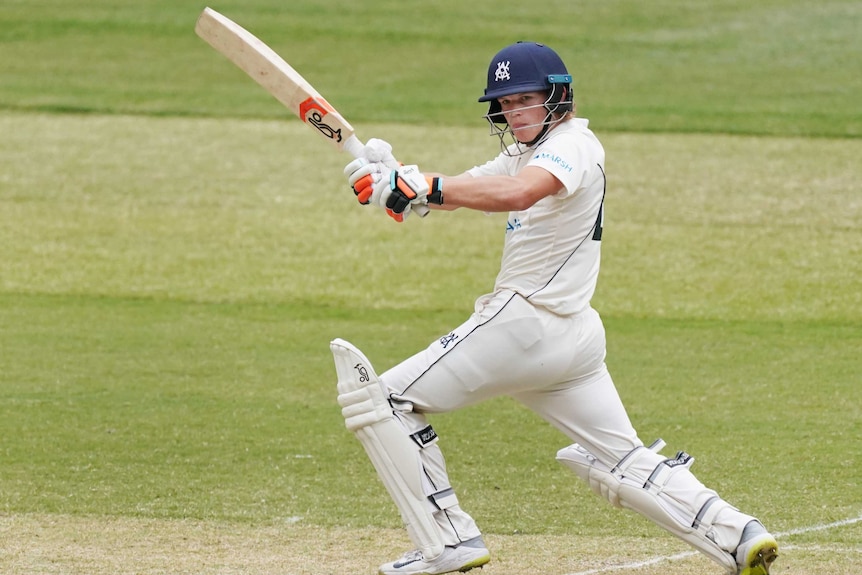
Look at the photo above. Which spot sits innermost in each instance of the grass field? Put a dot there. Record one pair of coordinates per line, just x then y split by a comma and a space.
175, 257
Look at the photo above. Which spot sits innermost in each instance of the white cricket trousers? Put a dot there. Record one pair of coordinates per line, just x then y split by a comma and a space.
550, 363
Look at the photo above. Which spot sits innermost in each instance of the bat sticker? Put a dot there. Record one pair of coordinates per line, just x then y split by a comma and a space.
312, 111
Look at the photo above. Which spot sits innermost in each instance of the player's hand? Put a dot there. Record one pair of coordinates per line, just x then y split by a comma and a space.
363, 176
370, 183
408, 188
397, 192
377, 150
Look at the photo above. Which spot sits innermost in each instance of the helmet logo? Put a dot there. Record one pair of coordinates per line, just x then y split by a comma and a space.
502, 72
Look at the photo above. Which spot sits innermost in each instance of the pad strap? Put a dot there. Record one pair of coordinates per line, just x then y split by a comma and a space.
634, 454
706, 516
444, 499
664, 470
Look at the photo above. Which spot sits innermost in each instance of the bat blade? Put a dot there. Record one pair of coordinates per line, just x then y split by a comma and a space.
277, 77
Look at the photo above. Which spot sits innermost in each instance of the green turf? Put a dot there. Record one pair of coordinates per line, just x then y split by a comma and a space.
170, 286
226, 411
770, 67
174, 261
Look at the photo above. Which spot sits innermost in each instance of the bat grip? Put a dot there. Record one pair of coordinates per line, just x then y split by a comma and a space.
354, 146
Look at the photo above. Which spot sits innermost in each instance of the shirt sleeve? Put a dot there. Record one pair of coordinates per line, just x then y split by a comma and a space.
568, 158
496, 167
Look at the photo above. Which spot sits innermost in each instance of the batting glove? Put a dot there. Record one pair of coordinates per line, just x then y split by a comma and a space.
398, 192
363, 176
377, 150
408, 188
370, 183
364, 173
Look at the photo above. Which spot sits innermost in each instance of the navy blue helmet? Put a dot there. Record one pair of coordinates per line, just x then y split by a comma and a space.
528, 67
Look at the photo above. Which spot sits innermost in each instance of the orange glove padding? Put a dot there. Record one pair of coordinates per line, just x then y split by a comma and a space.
363, 188
363, 175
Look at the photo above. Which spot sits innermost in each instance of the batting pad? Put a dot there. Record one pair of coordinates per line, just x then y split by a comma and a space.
663, 490
368, 414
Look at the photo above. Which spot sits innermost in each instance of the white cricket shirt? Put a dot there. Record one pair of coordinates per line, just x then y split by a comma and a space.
552, 250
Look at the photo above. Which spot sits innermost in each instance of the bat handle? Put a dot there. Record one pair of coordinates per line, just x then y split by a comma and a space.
354, 146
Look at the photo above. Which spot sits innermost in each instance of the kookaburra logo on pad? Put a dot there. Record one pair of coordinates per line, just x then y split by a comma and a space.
363, 372
502, 71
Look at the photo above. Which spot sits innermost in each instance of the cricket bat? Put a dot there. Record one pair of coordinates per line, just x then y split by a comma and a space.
278, 78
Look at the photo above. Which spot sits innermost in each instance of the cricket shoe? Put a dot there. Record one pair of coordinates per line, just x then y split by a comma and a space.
462, 557
756, 551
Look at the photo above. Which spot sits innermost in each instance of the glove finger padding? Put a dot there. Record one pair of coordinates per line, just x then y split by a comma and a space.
408, 185
383, 196
364, 189
401, 196
398, 217
363, 176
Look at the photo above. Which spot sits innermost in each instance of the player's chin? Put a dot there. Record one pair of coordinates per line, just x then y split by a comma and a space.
525, 135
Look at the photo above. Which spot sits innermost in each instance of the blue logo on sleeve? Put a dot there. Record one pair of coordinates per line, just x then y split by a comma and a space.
554, 159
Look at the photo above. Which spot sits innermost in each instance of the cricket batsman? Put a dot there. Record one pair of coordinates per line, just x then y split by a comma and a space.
535, 338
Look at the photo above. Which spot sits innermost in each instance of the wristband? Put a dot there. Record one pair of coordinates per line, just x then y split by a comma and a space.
435, 190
